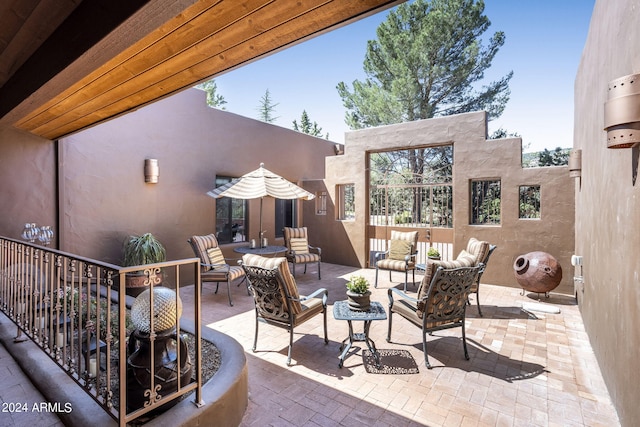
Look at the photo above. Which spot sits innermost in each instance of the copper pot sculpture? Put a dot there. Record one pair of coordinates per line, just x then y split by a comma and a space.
537, 272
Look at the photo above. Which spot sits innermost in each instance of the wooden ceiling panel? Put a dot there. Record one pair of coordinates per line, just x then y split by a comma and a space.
207, 38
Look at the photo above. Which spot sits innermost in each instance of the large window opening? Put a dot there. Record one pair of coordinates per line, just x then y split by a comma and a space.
231, 216
412, 188
346, 196
485, 202
529, 206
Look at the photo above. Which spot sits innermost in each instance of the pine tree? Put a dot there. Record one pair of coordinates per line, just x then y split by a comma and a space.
306, 126
267, 108
426, 62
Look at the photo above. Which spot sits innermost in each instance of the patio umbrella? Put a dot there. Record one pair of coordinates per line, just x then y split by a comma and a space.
260, 183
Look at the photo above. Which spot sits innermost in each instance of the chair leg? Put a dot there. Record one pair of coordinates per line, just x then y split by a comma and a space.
305, 268
424, 348
478, 301
326, 337
406, 278
389, 329
375, 285
464, 342
318, 270
244, 279
290, 345
217, 285
229, 292
255, 337
293, 264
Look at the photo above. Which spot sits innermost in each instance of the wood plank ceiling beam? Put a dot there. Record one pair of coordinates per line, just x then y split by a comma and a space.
208, 38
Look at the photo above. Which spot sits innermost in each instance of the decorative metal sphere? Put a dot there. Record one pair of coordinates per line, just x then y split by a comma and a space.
164, 310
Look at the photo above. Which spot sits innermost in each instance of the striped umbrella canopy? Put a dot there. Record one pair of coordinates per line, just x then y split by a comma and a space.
258, 184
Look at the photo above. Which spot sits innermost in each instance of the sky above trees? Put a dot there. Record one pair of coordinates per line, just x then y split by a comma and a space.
543, 46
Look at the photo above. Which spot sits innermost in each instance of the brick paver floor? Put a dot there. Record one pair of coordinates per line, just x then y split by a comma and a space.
525, 369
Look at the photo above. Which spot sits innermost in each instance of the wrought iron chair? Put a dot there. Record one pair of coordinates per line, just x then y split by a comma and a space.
441, 306
213, 265
276, 297
298, 249
401, 255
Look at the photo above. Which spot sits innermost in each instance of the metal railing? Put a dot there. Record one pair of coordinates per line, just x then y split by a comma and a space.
74, 309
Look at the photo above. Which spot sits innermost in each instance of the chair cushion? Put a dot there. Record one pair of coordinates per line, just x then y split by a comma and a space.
201, 244
232, 274
215, 257
395, 264
477, 248
411, 236
399, 249
283, 268
299, 245
304, 258
430, 268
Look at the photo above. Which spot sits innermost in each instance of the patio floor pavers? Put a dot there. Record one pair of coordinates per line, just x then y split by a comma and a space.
535, 370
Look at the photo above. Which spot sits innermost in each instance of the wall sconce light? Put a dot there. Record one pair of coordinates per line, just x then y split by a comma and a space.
622, 112
575, 163
151, 171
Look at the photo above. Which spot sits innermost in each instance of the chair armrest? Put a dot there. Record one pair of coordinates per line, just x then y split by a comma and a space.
315, 249
381, 255
400, 294
315, 294
217, 267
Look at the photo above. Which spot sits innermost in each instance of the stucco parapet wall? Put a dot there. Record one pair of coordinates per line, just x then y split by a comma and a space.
470, 127
475, 158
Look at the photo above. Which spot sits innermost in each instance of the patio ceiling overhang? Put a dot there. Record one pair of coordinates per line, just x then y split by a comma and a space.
66, 65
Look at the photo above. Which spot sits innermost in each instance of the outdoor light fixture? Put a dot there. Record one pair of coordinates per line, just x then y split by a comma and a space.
575, 163
622, 112
151, 171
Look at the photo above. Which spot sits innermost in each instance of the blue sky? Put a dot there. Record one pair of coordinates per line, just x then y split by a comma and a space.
544, 42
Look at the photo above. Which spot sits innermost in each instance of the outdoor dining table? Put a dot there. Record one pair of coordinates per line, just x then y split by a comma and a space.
266, 250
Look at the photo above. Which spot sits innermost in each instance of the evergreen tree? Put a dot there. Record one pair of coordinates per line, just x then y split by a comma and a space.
267, 108
558, 157
426, 62
306, 126
214, 99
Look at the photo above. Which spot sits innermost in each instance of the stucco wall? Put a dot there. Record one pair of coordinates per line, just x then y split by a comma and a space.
104, 196
608, 207
27, 181
475, 157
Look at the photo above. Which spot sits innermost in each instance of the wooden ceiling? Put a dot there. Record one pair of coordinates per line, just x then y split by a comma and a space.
66, 65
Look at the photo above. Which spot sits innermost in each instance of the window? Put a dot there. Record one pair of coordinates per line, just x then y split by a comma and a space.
321, 203
231, 216
285, 215
346, 202
529, 202
485, 202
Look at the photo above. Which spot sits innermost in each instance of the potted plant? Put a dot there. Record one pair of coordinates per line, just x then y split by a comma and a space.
358, 293
433, 253
141, 250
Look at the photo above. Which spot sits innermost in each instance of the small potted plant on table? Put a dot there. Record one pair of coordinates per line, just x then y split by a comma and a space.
358, 293
433, 253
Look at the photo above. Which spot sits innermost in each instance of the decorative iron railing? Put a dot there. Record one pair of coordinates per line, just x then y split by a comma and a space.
74, 310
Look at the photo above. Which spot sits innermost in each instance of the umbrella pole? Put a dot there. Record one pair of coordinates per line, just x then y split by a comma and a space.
260, 230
